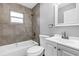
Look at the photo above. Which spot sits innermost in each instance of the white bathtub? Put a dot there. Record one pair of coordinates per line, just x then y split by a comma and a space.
16, 49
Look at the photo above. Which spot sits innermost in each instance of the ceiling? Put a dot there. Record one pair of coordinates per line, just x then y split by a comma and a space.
29, 5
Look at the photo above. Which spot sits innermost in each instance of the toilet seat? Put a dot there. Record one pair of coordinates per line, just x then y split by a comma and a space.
35, 50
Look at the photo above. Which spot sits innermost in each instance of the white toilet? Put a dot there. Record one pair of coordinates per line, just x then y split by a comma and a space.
37, 50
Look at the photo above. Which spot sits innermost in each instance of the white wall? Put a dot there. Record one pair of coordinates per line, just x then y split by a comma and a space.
46, 18
71, 30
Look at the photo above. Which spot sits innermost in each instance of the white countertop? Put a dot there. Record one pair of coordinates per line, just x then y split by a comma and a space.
73, 42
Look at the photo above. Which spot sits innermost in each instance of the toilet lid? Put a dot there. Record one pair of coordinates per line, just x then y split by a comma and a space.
35, 49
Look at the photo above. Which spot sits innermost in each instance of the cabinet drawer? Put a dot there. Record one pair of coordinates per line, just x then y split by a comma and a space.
65, 53
69, 49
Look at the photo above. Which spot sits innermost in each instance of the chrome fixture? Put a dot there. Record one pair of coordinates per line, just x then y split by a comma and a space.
65, 35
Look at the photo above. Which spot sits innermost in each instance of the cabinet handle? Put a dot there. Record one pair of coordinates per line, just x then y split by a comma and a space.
59, 49
55, 47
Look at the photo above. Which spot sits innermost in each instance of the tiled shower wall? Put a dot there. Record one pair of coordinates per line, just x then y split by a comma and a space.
14, 32
36, 22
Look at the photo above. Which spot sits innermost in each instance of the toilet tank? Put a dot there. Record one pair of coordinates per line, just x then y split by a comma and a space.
42, 40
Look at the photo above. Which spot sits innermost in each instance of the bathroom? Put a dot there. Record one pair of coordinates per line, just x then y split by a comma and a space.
39, 29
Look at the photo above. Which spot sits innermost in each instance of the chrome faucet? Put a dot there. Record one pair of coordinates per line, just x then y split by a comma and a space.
65, 35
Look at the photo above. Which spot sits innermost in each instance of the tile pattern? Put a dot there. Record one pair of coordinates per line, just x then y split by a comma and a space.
36, 22
14, 32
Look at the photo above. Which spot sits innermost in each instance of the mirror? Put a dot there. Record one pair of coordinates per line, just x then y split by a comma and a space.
66, 14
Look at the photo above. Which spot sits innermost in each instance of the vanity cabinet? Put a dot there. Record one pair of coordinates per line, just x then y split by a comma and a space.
51, 49
56, 49
67, 51
64, 53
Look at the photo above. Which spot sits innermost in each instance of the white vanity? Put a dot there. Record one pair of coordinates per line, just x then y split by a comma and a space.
56, 46
65, 15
